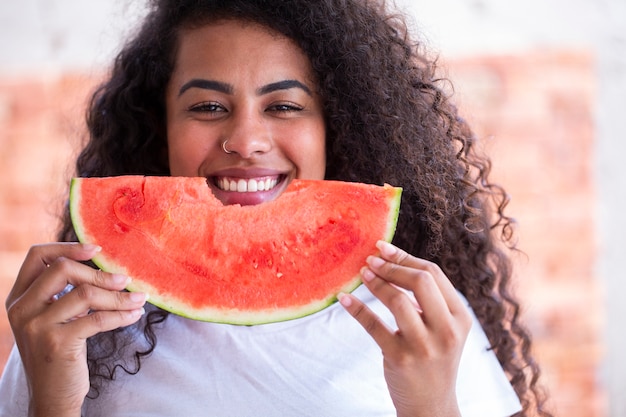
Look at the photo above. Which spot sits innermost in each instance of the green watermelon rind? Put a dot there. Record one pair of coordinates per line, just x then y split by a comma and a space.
215, 315
245, 317
394, 213
100, 260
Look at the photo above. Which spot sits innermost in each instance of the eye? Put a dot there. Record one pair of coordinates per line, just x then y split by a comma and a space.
284, 108
207, 107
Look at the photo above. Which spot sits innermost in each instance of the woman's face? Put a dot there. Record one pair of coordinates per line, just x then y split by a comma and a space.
242, 84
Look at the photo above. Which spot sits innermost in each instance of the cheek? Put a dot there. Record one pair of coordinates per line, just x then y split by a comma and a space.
185, 155
318, 164
311, 156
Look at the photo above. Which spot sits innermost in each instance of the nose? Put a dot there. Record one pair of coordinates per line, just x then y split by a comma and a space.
248, 135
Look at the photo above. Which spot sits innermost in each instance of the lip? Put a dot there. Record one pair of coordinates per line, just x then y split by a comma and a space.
247, 198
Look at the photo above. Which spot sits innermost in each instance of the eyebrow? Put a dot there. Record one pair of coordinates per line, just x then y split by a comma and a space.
207, 85
228, 89
283, 85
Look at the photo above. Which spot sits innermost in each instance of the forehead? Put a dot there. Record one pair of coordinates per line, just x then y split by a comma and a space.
228, 40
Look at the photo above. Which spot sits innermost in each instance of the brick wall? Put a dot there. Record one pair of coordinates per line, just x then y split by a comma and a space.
40, 126
535, 115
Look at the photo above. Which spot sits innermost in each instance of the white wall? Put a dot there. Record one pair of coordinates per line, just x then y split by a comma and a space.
38, 36
49, 36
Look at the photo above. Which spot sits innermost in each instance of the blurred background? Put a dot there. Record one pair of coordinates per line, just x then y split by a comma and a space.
543, 82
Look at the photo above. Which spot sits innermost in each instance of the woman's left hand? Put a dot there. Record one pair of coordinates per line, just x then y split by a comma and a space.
421, 357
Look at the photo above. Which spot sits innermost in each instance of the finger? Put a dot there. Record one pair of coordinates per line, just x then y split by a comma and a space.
39, 257
407, 313
54, 279
103, 321
385, 274
372, 324
65, 271
87, 298
391, 270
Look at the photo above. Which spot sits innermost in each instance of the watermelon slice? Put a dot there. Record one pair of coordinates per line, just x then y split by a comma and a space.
234, 264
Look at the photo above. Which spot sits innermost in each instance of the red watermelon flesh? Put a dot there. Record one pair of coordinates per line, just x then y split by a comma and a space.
233, 264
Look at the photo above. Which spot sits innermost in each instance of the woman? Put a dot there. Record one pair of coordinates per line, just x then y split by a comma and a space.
271, 91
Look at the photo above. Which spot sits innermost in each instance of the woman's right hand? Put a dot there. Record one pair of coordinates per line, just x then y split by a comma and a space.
51, 333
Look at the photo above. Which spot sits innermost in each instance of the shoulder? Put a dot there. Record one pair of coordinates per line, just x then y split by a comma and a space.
483, 388
13, 387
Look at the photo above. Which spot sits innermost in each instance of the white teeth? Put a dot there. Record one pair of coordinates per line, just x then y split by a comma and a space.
242, 185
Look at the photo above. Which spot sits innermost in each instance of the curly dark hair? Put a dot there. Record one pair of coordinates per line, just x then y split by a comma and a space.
389, 120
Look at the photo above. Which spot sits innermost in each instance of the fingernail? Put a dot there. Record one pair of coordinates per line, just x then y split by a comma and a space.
344, 299
375, 261
91, 248
138, 312
367, 274
120, 279
138, 296
386, 248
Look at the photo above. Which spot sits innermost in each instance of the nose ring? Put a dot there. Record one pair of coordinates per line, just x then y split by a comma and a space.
224, 147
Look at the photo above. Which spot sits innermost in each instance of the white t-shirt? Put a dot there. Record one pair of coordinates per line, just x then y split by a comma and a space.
322, 365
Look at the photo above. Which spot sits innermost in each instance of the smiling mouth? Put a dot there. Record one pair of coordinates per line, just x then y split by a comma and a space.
246, 185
